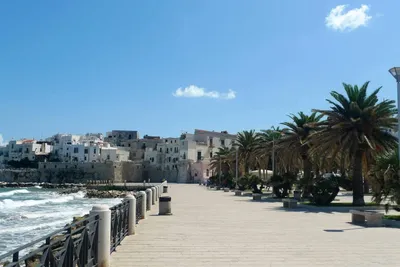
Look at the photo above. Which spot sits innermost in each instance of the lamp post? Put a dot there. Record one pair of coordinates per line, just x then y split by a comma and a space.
395, 71
236, 165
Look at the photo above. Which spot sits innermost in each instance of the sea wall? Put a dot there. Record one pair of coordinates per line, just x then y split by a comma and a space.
19, 175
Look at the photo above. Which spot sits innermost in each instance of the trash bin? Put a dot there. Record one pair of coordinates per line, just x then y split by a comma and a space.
165, 189
164, 207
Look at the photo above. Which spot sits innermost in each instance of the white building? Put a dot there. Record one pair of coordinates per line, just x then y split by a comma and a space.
16, 150
188, 156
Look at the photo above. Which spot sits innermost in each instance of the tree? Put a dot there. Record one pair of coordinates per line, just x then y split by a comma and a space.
247, 142
294, 142
357, 124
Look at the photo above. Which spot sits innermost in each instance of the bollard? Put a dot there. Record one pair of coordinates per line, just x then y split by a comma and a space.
165, 189
149, 198
164, 207
159, 191
144, 183
144, 200
132, 214
157, 195
104, 234
153, 195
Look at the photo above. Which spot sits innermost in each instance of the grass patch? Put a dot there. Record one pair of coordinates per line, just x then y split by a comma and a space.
392, 217
341, 204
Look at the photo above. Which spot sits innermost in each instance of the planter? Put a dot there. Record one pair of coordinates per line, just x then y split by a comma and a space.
238, 193
256, 196
226, 189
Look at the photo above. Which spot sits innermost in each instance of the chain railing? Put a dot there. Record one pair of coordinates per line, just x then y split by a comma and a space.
119, 224
139, 202
73, 246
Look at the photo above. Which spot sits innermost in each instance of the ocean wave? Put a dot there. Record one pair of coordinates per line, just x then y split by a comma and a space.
21, 229
13, 192
37, 186
11, 204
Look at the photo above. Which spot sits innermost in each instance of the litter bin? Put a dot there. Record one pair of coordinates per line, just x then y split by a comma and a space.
164, 206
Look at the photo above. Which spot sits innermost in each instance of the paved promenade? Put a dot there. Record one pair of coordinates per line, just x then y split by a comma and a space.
213, 228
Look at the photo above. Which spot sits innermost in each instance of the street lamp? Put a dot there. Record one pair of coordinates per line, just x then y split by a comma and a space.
395, 71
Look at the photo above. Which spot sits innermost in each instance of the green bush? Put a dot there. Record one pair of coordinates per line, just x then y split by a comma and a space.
324, 189
281, 185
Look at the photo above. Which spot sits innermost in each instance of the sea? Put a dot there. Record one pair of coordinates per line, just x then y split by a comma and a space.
27, 214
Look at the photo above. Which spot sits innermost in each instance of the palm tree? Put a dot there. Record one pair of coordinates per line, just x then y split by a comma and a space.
247, 142
266, 145
357, 124
294, 142
225, 156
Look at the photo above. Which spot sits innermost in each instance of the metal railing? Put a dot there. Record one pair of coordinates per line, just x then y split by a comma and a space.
119, 224
73, 246
139, 202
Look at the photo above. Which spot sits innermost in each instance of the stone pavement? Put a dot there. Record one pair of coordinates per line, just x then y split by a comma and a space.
213, 228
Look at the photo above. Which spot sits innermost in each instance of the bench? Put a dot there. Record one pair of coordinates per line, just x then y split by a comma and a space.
289, 203
256, 196
370, 218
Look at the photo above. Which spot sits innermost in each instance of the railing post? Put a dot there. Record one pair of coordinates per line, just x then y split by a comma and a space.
132, 214
104, 234
144, 200
149, 198
154, 196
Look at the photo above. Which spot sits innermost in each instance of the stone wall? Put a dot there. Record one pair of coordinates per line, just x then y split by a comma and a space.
20, 175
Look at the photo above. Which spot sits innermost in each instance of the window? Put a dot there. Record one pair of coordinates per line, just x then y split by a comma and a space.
166, 141
129, 144
184, 156
222, 142
207, 172
211, 141
55, 166
108, 157
211, 154
160, 149
94, 151
41, 150
198, 155
86, 150
169, 159
27, 150
44, 166
67, 155
85, 158
92, 166
76, 150
167, 150
175, 141
130, 136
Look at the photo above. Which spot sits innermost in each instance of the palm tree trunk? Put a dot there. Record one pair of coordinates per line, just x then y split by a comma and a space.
307, 168
358, 186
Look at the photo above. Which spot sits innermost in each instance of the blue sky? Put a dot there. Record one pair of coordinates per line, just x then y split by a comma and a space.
94, 66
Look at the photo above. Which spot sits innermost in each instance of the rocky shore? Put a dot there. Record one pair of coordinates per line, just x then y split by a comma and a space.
94, 193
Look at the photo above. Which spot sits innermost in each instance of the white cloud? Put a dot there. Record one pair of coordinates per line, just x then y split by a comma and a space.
2, 141
194, 91
340, 20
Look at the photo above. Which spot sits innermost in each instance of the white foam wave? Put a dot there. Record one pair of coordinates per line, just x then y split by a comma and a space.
11, 204
22, 229
37, 186
13, 192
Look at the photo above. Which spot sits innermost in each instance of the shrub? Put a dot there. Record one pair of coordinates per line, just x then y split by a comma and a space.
324, 189
281, 185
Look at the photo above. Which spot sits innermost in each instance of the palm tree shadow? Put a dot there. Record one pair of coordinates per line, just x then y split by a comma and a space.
314, 209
